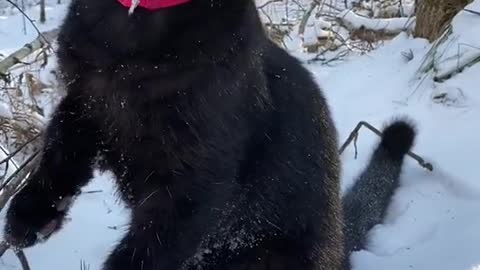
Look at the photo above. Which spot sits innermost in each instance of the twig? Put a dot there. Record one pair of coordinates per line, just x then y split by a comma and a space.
350, 138
22, 258
13, 183
84, 265
355, 140
24, 23
7, 165
9, 179
354, 134
472, 11
4, 246
30, 20
10, 156
268, 3
338, 57
93, 191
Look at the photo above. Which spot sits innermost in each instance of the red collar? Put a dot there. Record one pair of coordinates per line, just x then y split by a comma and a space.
154, 4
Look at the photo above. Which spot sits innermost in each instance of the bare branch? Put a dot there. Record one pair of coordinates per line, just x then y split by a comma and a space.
31, 22
354, 134
268, 3
14, 153
22, 258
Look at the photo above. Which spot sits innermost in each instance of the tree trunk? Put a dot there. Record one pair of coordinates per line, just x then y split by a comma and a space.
43, 17
434, 15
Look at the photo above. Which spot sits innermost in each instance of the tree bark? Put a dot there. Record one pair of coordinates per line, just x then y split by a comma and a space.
434, 15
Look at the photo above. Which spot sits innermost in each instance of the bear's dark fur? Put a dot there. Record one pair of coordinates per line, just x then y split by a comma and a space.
221, 142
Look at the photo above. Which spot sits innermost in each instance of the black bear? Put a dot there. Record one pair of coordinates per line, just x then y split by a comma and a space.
222, 143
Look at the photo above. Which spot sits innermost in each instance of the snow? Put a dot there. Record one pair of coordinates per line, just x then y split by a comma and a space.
5, 110
389, 25
316, 28
434, 217
99, 220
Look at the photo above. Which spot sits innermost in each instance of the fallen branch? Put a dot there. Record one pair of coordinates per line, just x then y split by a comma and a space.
354, 135
353, 21
16, 58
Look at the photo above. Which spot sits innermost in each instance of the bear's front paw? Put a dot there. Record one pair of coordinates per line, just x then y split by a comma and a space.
33, 217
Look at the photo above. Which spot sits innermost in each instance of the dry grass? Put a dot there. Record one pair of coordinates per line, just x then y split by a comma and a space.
371, 36
434, 15
276, 33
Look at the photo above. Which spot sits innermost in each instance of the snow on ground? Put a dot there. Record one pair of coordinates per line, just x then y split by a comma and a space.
434, 215
434, 218
98, 220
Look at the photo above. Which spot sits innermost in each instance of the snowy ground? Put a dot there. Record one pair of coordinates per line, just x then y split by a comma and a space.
434, 218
